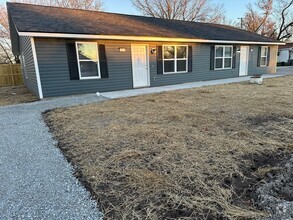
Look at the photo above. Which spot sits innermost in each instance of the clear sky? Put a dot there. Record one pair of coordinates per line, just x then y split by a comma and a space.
234, 8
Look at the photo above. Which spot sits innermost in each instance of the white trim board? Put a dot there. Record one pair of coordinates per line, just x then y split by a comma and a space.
140, 38
40, 90
224, 57
80, 60
175, 59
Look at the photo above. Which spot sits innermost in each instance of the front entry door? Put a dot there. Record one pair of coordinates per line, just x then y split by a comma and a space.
244, 56
140, 66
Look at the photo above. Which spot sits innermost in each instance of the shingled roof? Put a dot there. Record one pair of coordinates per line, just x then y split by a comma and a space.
44, 19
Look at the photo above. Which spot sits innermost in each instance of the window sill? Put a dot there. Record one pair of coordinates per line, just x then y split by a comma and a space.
169, 73
85, 78
230, 68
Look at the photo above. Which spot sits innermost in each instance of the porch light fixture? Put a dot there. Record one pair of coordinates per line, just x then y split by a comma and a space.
153, 51
122, 49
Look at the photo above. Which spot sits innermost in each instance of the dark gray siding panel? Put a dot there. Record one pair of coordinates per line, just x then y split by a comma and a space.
200, 69
28, 66
202, 65
252, 66
253, 57
54, 71
14, 37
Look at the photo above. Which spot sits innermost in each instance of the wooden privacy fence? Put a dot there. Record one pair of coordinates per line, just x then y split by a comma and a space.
10, 75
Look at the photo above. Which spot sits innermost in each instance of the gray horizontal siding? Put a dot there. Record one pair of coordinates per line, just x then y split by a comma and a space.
13, 36
200, 69
54, 72
28, 69
253, 57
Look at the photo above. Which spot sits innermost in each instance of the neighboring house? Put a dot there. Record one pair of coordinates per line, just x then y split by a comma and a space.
66, 51
285, 55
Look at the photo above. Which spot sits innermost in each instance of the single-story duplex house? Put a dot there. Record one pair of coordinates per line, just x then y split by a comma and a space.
68, 51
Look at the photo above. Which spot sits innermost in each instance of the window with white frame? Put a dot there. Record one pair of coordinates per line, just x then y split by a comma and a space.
223, 57
88, 60
263, 56
175, 59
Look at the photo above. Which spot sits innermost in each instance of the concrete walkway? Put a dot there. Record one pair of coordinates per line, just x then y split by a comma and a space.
285, 70
36, 180
150, 90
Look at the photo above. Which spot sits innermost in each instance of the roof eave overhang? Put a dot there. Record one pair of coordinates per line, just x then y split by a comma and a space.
140, 38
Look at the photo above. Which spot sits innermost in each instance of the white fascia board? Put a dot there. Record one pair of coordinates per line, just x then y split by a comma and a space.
138, 38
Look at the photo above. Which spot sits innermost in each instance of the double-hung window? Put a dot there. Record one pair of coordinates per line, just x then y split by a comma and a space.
88, 60
223, 57
264, 56
175, 59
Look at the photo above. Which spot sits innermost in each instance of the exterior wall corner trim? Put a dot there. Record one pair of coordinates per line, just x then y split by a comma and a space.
40, 90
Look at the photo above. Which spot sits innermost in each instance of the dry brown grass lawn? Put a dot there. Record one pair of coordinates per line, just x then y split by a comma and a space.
15, 95
183, 154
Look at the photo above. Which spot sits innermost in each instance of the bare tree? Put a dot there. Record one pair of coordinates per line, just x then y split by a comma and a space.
230, 22
257, 20
187, 10
284, 20
6, 55
79, 4
270, 19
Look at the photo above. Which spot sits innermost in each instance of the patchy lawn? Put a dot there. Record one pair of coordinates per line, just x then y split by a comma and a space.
186, 154
15, 95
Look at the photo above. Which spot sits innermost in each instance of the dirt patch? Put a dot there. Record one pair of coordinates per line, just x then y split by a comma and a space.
15, 95
197, 153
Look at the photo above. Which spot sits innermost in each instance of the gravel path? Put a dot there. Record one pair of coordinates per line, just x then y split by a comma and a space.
275, 196
36, 180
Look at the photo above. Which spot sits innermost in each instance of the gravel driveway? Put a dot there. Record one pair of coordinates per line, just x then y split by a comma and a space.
36, 180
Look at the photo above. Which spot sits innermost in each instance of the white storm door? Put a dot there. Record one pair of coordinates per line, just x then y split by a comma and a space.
244, 56
140, 66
